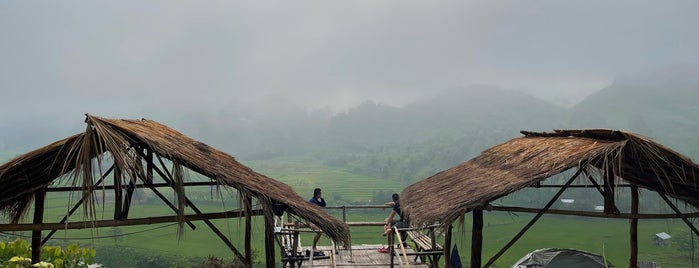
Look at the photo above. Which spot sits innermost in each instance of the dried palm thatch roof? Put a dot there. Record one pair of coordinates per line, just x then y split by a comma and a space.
524, 161
75, 157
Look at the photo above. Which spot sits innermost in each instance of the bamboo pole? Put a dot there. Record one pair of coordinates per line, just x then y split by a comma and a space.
39, 198
679, 213
269, 239
117, 193
476, 238
447, 246
247, 203
609, 185
633, 230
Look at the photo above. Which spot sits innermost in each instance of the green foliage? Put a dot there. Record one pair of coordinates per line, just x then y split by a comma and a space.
687, 244
72, 257
216, 262
16, 248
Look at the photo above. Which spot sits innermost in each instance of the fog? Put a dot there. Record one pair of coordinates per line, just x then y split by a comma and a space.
171, 61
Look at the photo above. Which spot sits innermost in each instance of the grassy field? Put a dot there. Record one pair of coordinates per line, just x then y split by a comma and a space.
602, 236
339, 186
608, 237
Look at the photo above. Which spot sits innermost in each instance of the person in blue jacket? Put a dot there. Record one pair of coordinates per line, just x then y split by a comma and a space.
318, 200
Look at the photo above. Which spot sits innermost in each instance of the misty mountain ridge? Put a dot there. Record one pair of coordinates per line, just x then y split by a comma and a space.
662, 105
429, 135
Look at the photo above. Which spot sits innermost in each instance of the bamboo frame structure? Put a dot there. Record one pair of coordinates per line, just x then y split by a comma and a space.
131, 145
624, 159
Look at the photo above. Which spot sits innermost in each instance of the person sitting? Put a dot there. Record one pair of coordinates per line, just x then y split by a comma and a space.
390, 222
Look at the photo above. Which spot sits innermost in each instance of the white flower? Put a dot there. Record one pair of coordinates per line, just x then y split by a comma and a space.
43, 264
16, 259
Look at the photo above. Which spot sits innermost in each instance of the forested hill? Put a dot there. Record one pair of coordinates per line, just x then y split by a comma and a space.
417, 140
420, 139
663, 105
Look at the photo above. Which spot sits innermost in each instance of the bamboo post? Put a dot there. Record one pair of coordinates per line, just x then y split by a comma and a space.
390, 246
248, 230
476, 238
633, 229
39, 199
609, 185
117, 192
447, 246
269, 239
344, 214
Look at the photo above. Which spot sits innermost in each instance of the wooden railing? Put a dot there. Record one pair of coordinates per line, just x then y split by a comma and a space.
356, 223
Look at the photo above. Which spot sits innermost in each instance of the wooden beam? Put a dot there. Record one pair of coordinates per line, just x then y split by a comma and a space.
577, 186
117, 193
269, 239
194, 208
126, 206
594, 183
536, 218
609, 186
679, 213
368, 223
39, 201
247, 204
633, 230
169, 204
594, 214
114, 223
476, 239
447, 246
138, 186
149, 166
86, 195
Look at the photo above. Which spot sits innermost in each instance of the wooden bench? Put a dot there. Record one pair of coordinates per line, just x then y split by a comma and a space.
427, 249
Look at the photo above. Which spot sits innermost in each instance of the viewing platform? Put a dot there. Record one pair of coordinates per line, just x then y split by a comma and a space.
362, 256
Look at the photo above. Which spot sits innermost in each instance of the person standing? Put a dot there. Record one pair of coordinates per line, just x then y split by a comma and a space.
318, 200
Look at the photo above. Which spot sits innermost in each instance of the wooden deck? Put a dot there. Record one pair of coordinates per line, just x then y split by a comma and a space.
361, 256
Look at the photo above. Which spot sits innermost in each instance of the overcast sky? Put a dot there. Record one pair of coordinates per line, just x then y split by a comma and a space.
133, 59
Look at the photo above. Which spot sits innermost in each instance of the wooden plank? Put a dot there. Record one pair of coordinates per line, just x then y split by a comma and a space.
364, 256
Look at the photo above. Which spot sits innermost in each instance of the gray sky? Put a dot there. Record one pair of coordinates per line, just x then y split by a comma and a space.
60, 59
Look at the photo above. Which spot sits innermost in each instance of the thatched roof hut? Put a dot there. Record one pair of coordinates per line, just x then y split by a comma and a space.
525, 161
124, 142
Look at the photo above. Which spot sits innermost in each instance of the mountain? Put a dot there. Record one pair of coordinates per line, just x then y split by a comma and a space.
420, 139
663, 105
417, 140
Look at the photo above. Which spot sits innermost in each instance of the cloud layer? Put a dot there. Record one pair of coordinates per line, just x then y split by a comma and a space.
150, 58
